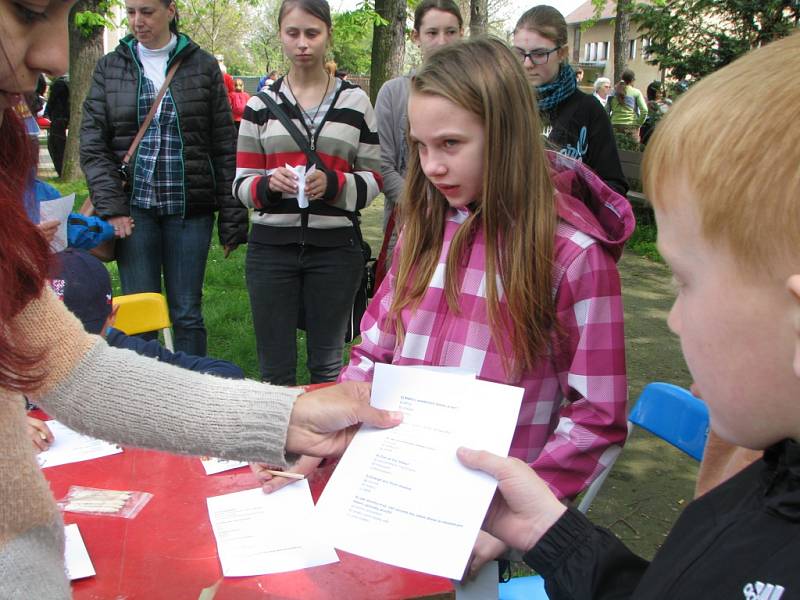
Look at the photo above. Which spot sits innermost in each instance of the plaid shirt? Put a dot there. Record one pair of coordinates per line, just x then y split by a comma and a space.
574, 406
158, 167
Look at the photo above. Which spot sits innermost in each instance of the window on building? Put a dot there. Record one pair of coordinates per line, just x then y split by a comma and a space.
631, 49
593, 52
586, 52
602, 51
646, 46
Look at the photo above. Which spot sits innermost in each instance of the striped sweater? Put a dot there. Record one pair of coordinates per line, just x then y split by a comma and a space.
347, 144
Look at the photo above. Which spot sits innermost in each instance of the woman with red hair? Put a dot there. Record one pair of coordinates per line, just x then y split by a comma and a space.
110, 393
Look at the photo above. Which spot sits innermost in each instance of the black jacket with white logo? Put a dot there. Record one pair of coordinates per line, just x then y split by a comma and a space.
741, 540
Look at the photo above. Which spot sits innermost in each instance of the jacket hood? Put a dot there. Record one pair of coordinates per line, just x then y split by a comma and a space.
588, 204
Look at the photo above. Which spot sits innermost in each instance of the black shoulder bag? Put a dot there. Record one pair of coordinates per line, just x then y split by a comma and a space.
367, 285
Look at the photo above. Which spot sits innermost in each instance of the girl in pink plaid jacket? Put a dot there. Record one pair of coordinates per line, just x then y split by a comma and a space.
485, 203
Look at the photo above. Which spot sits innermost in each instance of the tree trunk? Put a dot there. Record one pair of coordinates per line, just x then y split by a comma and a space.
388, 44
84, 52
478, 17
622, 24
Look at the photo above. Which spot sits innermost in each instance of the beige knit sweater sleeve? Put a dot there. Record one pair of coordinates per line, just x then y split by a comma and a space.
119, 396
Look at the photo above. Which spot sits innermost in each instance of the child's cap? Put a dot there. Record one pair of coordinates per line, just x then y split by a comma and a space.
83, 283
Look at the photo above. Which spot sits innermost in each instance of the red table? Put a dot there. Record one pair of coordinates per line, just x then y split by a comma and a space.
168, 551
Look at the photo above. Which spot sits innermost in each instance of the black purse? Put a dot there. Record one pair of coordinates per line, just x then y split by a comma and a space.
366, 287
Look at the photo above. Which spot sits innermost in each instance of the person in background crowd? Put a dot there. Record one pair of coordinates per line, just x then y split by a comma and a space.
436, 23
602, 88
238, 100
57, 110
578, 75
627, 107
657, 107
267, 80
226, 77
330, 67
574, 122
181, 173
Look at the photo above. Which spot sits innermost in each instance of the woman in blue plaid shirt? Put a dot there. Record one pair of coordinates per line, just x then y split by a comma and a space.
181, 172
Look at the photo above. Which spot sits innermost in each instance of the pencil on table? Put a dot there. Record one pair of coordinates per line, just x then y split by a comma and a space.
287, 474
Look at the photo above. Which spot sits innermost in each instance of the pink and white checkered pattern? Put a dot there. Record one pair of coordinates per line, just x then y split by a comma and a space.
574, 406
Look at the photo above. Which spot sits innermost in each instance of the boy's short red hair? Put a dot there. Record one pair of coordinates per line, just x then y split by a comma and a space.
734, 138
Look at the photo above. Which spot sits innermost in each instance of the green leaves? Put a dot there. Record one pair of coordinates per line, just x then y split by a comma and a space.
693, 38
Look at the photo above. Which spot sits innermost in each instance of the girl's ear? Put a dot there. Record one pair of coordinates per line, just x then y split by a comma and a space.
415, 36
793, 285
563, 54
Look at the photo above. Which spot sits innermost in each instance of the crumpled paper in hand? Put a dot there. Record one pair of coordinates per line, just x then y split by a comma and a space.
300, 171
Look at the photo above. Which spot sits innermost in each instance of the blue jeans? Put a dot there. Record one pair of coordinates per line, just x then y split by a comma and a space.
324, 280
180, 247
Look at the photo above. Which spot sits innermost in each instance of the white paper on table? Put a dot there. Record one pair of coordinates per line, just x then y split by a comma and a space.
57, 209
212, 465
76, 557
70, 447
260, 533
302, 174
399, 495
486, 586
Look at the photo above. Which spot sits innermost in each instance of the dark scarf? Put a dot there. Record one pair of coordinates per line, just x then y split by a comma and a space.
562, 87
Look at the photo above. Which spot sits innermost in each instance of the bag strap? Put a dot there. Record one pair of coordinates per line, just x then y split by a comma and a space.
311, 155
380, 264
149, 118
299, 139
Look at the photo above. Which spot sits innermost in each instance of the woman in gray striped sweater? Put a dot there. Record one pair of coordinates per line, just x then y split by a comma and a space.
304, 251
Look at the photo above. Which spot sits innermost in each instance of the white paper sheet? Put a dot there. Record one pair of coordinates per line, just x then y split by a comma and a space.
70, 447
57, 209
400, 495
76, 557
300, 171
212, 465
485, 586
260, 533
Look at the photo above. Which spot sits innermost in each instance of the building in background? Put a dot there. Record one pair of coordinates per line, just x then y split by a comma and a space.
593, 49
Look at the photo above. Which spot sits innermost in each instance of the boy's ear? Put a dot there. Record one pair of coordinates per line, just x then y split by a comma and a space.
793, 284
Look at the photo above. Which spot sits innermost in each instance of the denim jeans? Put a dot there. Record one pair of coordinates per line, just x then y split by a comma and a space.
179, 247
325, 280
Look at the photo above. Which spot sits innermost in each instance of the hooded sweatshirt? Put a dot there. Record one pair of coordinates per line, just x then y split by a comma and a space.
573, 408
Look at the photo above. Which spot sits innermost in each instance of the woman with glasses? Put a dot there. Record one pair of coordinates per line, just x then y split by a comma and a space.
573, 121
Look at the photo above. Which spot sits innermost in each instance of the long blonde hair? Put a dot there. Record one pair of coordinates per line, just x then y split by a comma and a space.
516, 209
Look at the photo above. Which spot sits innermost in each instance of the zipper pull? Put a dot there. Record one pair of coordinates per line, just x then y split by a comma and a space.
312, 142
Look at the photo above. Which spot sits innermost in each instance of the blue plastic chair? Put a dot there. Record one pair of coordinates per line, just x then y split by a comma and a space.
523, 588
673, 414
665, 410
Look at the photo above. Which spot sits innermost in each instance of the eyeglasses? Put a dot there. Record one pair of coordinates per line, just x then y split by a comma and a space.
537, 57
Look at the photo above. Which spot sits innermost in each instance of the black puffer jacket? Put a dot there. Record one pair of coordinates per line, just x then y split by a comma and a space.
111, 120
